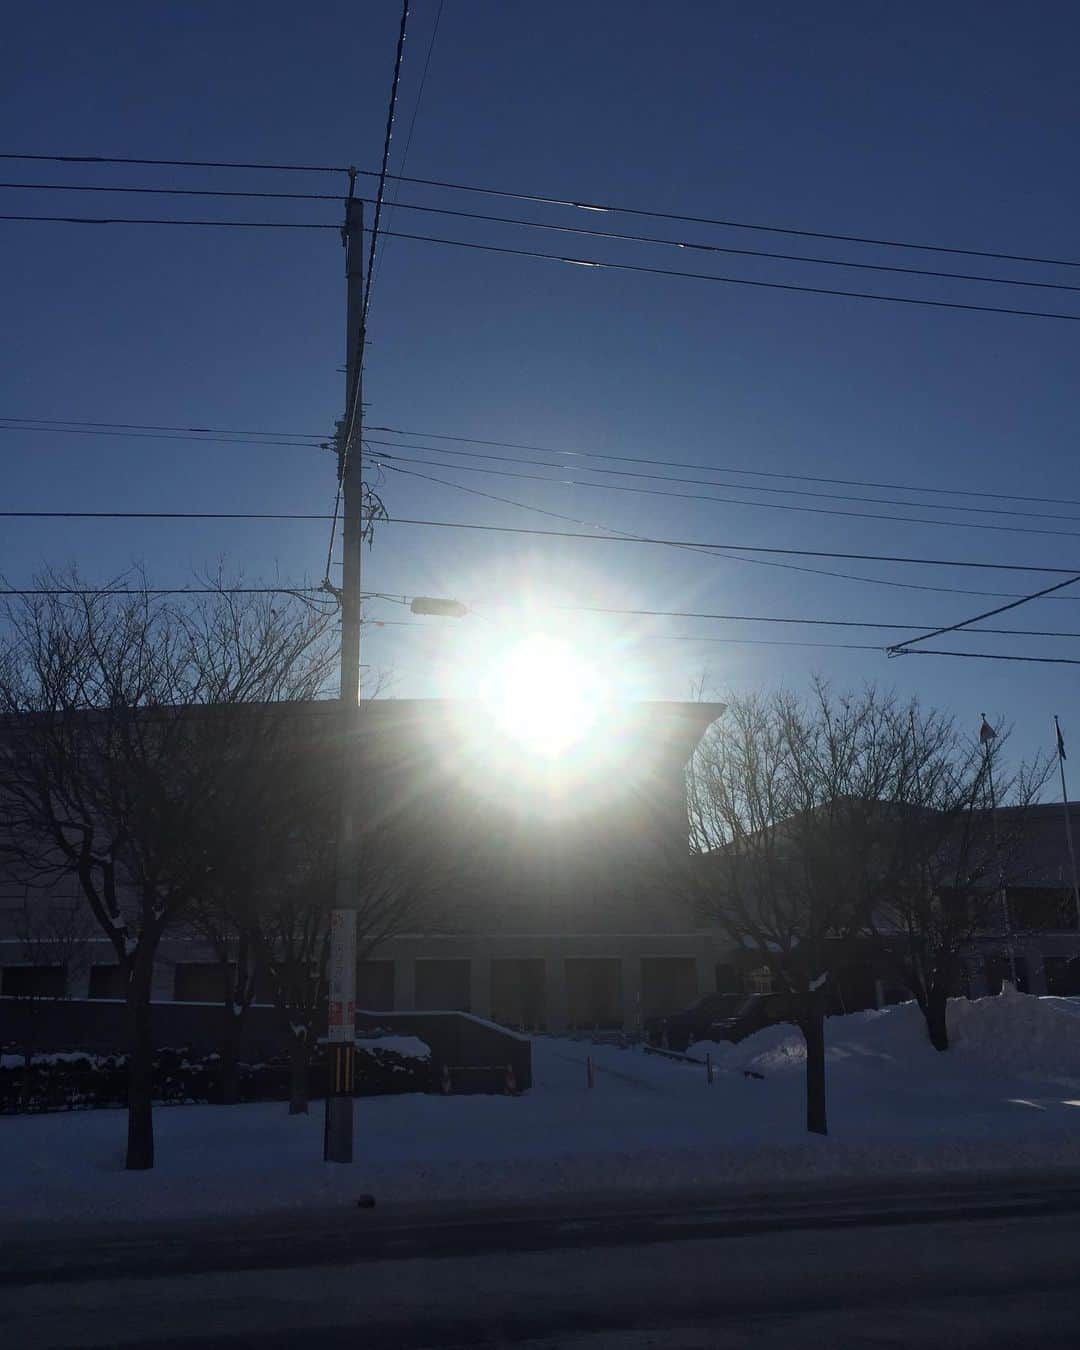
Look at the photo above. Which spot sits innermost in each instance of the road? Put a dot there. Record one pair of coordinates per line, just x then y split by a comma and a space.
968, 1264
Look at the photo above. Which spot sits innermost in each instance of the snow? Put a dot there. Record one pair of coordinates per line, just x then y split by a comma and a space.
411, 1047
1005, 1098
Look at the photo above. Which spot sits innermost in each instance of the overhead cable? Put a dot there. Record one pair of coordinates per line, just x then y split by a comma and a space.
904, 648
607, 208
694, 245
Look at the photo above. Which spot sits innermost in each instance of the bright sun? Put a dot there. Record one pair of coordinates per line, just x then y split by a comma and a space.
544, 695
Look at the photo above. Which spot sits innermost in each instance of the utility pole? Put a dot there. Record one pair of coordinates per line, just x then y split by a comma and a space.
986, 735
1068, 818
338, 1129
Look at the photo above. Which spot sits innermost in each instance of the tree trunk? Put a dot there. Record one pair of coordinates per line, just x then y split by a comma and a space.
230, 1069
140, 1142
812, 1025
935, 1011
298, 1076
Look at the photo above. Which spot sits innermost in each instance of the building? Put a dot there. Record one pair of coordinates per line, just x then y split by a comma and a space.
554, 914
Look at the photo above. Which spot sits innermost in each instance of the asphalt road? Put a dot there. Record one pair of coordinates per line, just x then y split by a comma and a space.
972, 1264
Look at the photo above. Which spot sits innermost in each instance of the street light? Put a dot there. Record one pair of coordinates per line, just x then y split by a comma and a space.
446, 609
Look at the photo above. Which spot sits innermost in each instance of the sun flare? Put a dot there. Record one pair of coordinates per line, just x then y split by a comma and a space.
544, 695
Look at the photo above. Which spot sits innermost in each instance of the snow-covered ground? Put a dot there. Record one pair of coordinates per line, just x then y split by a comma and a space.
1007, 1096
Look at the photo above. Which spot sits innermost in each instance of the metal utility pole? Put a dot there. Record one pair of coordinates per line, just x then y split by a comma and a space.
1068, 818
986, 735
338, 1130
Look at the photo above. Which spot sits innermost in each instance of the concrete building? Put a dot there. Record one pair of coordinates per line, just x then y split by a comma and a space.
554, 914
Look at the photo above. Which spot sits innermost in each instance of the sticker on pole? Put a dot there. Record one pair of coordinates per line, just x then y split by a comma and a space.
342, 1020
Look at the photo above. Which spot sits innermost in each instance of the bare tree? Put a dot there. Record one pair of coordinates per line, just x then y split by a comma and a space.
795, 840
270, 907
957, 846
123, 741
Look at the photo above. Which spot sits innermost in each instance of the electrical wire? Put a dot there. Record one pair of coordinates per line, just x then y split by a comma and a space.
601, 265
619, 236
712, 552
704, 482
352, 405
735, 501
594, 263
904, 648
707, 468
408, 137
174, 191
699, 543
321, 440
608, 208
996, 656
180, 163
549, 534
156, 220
254, 439
381, 190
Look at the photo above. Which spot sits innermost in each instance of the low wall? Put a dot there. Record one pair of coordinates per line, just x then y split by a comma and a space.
98, 1026
458, 1039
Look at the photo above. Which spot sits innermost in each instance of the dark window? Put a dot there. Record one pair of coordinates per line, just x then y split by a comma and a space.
727, 979
107, 982
375, 985
668, 984
1062, 975
518, 993
1041, 907
199, 982
443, 986
34, 981
594, 993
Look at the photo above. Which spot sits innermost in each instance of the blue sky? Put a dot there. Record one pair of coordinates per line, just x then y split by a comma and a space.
951, 124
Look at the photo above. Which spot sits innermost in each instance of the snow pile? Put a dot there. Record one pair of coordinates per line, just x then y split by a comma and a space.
1017, 1034
1001, 1100
408, 1047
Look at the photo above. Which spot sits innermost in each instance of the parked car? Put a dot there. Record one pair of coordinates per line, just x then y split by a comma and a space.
717, 1017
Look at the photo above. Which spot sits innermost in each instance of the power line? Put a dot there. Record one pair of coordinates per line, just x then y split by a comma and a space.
352, 403
550, 534
595, 263
175, 191
609, 208
181, 163
612, 209
904, 648
409, 135
601, 265
766, 618
996, 656
700, 246
162, 515
709, 544
709, 551
704, 482
707, 468
254, 439
734, 501
156, 220
321, 439
391, 108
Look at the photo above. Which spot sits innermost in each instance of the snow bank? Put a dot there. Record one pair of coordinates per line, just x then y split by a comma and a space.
1012, 1032
1005, 1098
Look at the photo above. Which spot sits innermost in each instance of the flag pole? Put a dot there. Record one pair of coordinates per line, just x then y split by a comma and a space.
986, 735
1068, 820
